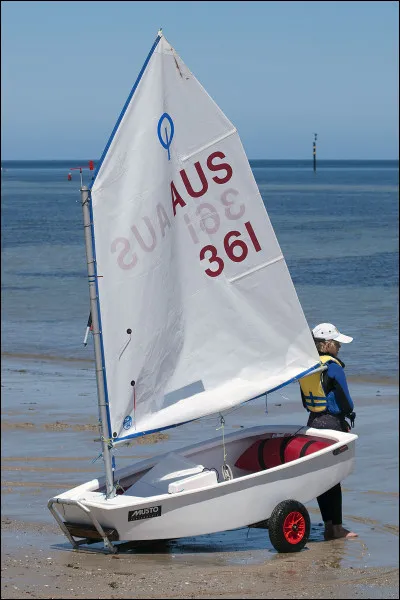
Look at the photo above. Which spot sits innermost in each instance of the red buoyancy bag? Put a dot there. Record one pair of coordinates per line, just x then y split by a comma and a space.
272, 452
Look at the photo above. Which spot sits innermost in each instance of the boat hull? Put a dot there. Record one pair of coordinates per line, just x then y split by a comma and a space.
246, 499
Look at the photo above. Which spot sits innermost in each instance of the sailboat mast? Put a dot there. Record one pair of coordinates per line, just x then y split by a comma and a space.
101, 392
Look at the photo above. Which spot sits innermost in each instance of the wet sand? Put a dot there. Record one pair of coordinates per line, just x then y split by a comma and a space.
48, 428
30, 569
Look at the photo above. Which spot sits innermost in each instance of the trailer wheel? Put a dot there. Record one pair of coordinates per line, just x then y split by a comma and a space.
289, 526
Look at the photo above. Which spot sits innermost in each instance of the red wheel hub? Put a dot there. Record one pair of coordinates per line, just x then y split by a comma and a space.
294, 527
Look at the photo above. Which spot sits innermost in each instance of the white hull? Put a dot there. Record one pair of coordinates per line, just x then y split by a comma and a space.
246, 499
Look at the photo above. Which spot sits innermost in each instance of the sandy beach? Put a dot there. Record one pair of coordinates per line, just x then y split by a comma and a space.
31, 570
47, 446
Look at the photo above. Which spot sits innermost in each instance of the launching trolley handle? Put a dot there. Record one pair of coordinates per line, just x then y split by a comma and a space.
75, 544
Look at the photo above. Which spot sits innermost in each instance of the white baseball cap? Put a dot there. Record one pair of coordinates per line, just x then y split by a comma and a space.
327, 331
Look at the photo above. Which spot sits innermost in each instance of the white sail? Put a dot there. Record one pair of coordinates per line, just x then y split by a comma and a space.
196, 302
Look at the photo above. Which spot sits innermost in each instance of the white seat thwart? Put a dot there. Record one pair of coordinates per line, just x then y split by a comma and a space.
170, 469
194, 482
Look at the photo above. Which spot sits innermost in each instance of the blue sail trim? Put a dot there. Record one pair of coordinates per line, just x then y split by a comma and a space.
278, 387
123, 111
303, 374
150, 431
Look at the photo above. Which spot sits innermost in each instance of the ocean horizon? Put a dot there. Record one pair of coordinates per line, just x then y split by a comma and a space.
276, 162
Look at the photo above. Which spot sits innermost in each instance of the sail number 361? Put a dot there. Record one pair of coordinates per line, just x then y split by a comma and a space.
236, 250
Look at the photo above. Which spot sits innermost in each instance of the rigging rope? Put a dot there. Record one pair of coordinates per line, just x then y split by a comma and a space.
226, 470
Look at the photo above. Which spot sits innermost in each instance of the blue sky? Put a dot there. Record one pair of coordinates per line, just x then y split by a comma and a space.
280, 71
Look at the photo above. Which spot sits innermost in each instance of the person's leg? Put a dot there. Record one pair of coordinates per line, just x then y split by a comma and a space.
338, 531
325, 506
330, 503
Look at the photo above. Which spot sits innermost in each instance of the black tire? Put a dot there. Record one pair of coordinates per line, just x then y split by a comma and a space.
289, 526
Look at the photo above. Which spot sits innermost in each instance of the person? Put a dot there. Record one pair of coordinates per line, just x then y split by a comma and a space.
327, 398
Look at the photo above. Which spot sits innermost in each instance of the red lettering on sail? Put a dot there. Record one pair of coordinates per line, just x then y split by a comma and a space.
188, 185
191, 229
210, 219
126, 248
213, 258
236, 250
162, 219
214, 167
139, 238
229, 213
176, 198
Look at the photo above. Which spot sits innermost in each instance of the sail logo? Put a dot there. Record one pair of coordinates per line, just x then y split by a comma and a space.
162, 128
127, 424
144, 513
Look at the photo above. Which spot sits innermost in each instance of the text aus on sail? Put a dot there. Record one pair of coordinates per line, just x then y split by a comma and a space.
227, 207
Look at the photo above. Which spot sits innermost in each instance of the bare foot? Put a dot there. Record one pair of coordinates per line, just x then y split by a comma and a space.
338, 531
328, 532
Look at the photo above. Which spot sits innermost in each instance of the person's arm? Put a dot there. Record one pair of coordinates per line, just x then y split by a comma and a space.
340, 388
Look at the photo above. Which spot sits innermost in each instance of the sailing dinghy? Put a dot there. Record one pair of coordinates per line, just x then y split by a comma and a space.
193, 313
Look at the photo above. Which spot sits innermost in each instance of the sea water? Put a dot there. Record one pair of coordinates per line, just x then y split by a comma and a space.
337, 227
